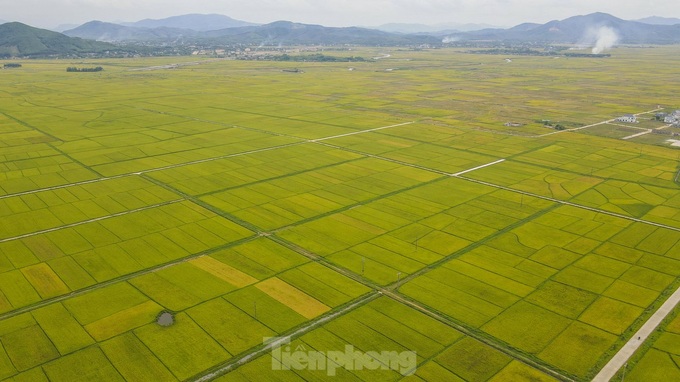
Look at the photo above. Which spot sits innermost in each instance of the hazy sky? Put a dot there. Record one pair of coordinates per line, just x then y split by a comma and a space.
50, 13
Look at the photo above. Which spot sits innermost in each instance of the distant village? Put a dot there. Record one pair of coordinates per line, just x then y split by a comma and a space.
669, 118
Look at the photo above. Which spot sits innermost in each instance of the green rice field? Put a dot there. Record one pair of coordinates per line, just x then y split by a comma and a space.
373, 210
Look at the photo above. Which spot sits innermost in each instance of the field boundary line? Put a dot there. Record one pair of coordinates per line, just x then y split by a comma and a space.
71, 225
385, 159
284, 339
277, 177
122, 278
360, 132
566, 203
302, 141
61, 186
206, 160
457, 176
102, 179
354, 205
470, 247
228, 125
389, 291
465, 331
627, 351
197, 201
51, 145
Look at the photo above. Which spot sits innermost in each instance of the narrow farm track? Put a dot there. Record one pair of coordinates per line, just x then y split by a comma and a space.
89, 221
262, 350
60, 187
386, 159
458, 174
574, 205
592, 125
250, 152
637, 135
361, 132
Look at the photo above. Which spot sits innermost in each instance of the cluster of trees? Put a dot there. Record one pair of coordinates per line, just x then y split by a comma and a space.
7, 66
74, 69
556, 126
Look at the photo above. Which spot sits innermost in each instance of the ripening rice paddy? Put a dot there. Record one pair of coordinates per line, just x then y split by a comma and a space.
382, 211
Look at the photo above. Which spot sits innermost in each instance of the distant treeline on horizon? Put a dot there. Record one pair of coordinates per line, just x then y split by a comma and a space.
74, 69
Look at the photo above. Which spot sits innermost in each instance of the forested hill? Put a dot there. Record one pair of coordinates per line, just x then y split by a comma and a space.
21, 40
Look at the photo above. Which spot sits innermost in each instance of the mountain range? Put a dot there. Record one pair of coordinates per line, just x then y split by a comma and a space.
192, 28
17, 39
580, 29
656, 20
109, 32
196, 22
276, 33
20, 40
438, 29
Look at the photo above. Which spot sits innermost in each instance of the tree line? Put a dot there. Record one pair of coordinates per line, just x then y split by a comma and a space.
74, 69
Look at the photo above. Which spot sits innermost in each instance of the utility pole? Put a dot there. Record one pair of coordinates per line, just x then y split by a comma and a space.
418, 239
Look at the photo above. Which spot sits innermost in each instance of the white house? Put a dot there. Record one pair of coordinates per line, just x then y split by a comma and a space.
674, 117
628, 118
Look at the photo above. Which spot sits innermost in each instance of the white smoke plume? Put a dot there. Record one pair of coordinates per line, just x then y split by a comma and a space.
605, 39
450, 39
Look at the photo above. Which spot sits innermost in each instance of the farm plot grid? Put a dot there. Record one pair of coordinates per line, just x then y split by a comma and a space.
333, 213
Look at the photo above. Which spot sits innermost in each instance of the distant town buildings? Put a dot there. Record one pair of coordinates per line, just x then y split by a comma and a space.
512, 124
672, 118
628, 118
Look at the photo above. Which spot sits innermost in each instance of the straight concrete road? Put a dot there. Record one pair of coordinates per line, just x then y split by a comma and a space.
620, 359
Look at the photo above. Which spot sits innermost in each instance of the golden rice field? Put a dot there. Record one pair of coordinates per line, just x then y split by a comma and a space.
387, 208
